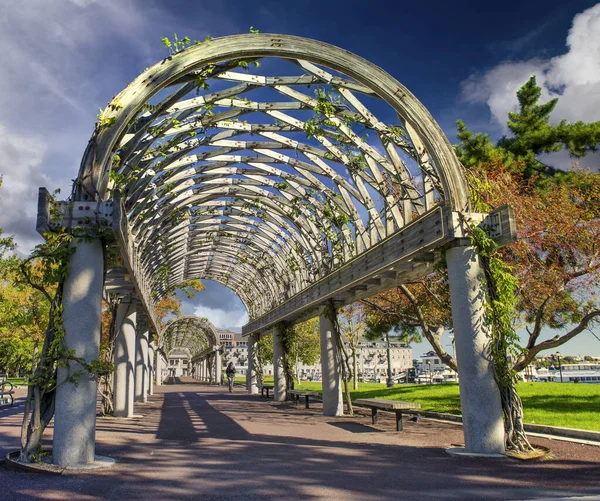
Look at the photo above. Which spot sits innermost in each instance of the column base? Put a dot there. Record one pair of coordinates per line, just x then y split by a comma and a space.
461, 451
11, 464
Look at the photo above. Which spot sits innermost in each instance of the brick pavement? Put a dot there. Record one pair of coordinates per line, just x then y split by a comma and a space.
200, 442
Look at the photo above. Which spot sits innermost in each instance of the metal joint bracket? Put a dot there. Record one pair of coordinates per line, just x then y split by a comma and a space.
499, 225
54, 214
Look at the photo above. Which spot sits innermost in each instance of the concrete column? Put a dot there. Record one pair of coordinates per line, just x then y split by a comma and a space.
124, 381
151, 368
159, 368
279, 387
218, 367
479, 395
333, 404
252, 376
141, 365
75, 415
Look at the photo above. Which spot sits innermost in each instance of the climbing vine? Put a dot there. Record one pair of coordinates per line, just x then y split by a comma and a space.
51, 262
500, 305
263, 353
343, 357
287, 337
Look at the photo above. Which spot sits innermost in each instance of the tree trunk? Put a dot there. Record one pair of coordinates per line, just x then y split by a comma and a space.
107, 380
355, 368
41, 393
331, 312
512, 408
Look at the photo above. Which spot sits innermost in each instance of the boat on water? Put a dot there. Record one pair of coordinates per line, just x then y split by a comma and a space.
571, 373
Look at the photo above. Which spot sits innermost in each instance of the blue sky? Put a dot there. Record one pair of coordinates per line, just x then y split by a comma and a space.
62, 60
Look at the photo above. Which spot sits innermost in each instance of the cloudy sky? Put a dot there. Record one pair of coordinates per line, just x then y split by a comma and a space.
61, 60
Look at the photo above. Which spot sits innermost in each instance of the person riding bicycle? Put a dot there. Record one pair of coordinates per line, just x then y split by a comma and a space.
230, 372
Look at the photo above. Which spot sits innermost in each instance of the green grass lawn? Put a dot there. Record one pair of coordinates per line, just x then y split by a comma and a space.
16, 380
267, 379
554, 404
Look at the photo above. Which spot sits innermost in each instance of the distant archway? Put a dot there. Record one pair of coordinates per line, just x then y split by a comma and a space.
197, 339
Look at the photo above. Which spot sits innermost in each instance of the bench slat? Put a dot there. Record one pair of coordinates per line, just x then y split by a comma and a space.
382, 403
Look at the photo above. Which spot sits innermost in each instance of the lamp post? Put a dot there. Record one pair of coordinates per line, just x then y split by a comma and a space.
559, 366
389, 382
429, 371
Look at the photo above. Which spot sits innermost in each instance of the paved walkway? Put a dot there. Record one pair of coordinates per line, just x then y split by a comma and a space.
199, 442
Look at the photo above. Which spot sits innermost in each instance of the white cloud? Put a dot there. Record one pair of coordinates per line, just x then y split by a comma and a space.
58, 64
574, 77
21, 170
223, 319
60, 61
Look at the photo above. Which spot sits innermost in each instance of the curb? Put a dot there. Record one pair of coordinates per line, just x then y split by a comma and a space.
592, 436
551, 431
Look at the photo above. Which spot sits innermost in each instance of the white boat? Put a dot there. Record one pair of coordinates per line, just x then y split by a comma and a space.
571, 373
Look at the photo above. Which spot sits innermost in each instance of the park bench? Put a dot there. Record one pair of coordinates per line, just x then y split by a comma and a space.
395, 406
296, 394
265, 387
7, 391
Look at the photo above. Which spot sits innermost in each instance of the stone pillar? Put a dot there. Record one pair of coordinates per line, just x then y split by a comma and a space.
75, 415
124, 381
141, 365
279, 387
218, 367
252, 376
479, 395
159, 368
333, 404
151, 368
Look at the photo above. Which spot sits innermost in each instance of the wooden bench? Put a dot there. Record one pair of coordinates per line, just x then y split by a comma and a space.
296, 394
6, 390
395, 406
266, 387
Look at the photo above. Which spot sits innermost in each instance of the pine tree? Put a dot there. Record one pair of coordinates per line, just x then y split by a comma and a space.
532, 135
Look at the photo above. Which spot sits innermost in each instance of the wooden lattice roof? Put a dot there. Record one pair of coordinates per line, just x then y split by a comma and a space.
265, 162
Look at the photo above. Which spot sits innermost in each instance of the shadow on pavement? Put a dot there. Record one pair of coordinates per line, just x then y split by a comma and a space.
196, 445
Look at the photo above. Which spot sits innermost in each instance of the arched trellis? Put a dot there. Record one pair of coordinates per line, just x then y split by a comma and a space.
266, 183
216, 163
199, 340
194, 334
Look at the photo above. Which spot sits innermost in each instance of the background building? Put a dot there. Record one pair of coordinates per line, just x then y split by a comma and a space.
371, 357
179, 363
430, 369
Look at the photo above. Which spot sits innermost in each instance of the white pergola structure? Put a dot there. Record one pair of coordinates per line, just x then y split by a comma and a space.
291, 171
199, 339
